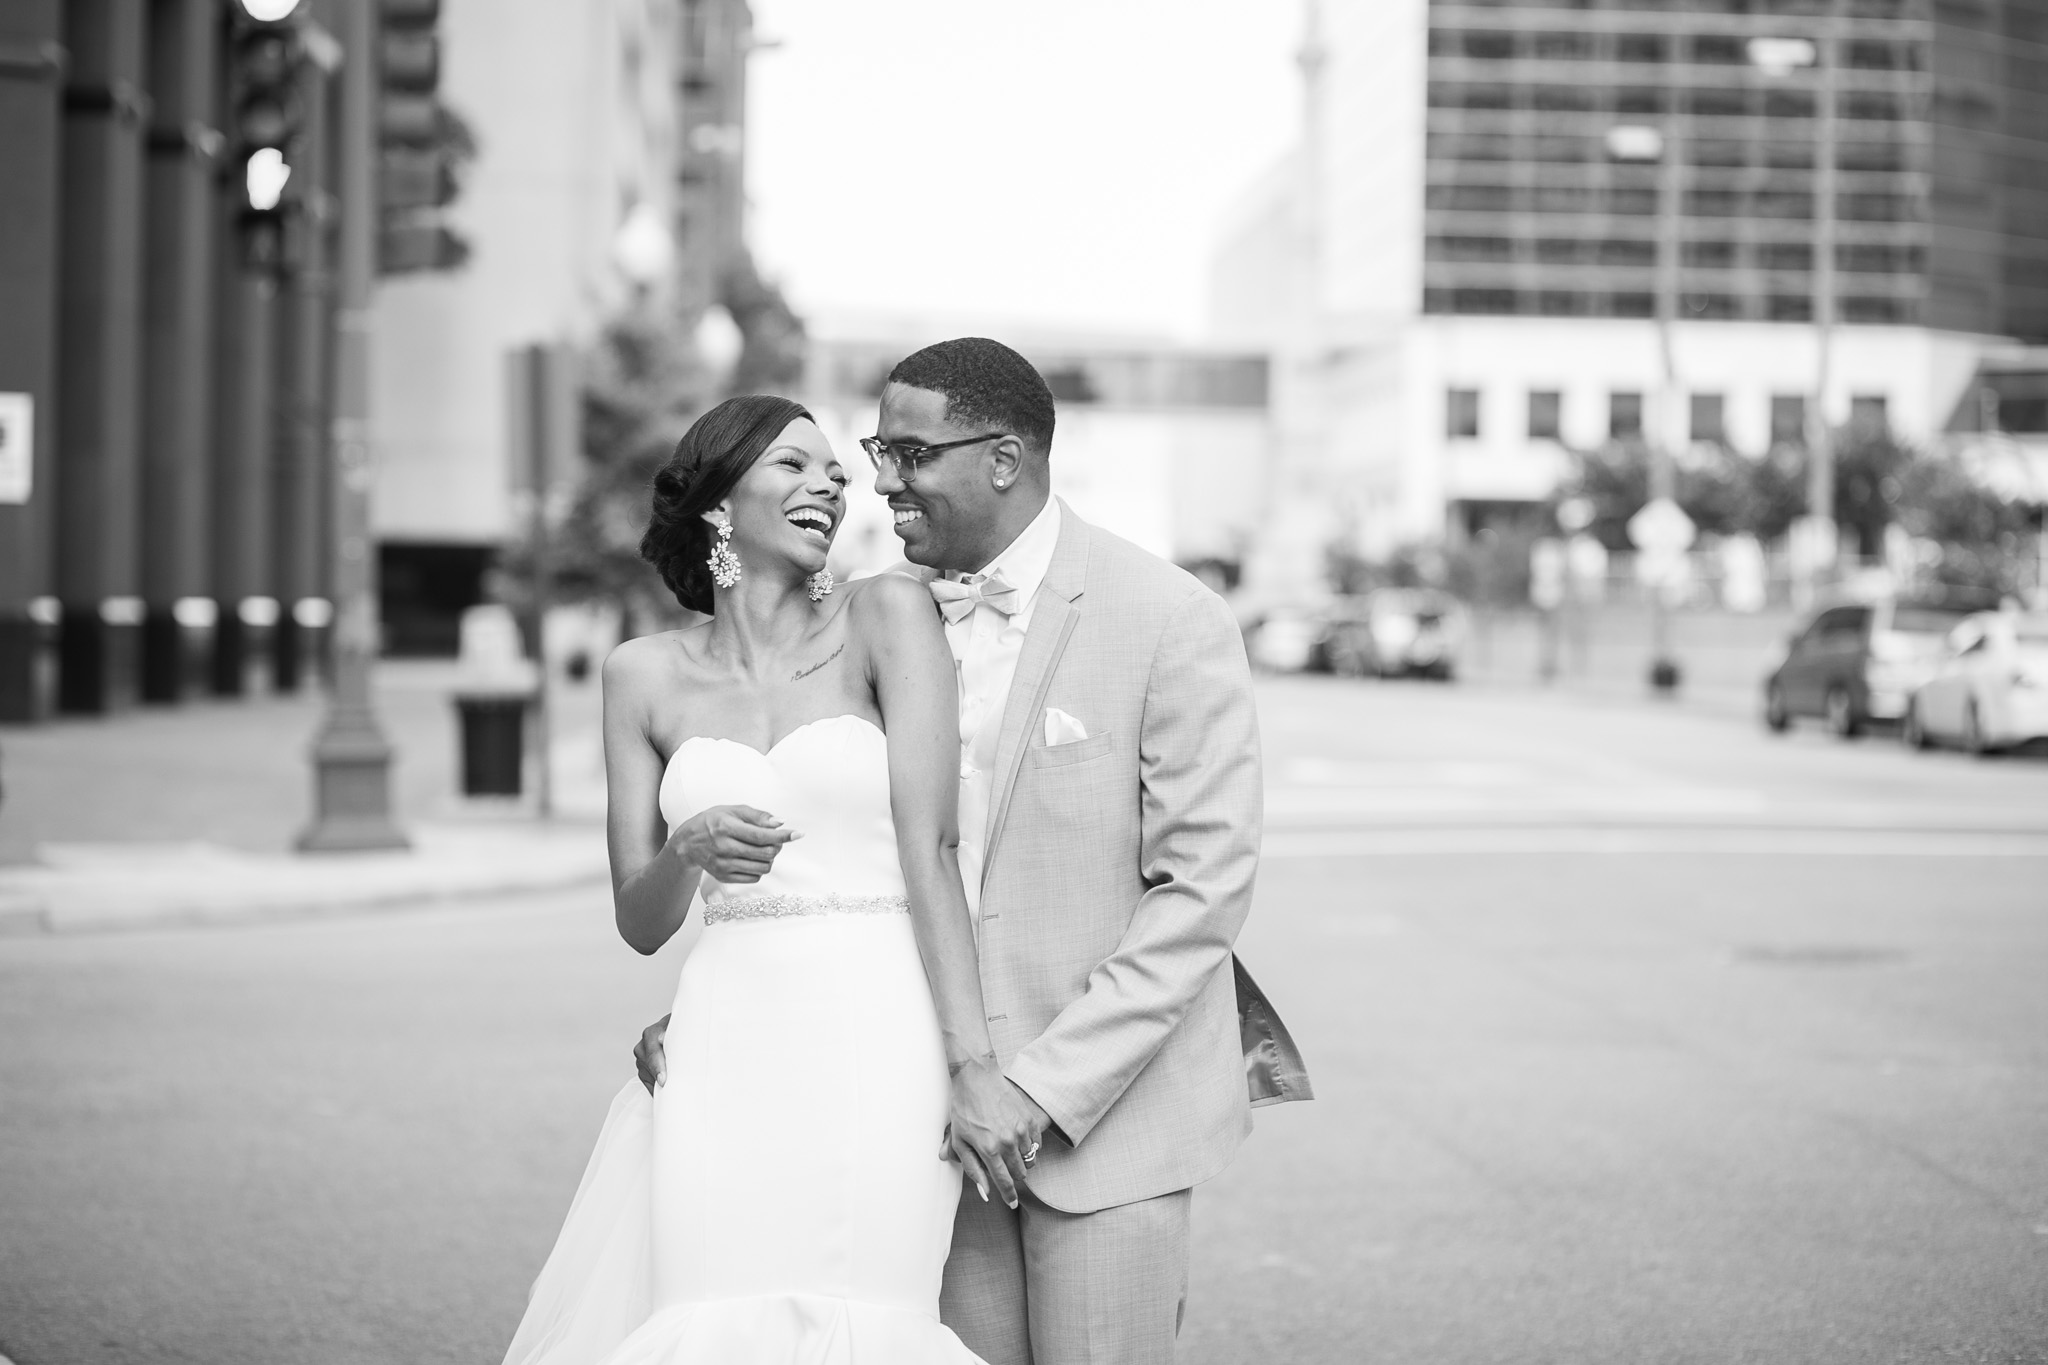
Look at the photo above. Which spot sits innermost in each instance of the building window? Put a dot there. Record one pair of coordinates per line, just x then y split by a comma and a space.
1639, 47
1545, 413
1784, 256
1788, 104
1627, 251
1858, 258
1565, 98
1869, 56
1882, 108
1713, 203
1789, 308
1858, 309
1707, 410
1461, 413
1872, 156
1639, 201
1718, 49
1564, 47
1710, 255
1788, 418
1489, 46
1868, 414
1720, 103
1492, 249
1783, 204
1493, 301
1624, 415
1874, 208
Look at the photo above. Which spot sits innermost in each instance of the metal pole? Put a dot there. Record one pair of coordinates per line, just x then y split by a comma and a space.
307, 327
540, 395
1664, 673
351, 758
1820, 460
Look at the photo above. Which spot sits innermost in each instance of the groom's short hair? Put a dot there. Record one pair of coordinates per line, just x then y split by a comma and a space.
986, 384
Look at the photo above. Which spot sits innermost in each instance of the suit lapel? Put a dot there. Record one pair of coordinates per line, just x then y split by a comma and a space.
1054, 614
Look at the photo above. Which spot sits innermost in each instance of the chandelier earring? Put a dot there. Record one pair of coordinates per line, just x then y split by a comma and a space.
819, 585
725, 565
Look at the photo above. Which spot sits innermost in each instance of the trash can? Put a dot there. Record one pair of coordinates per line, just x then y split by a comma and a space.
493, 691
493, 741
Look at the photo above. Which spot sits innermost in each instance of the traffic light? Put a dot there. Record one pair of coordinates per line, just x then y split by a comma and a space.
424, 146
264, 90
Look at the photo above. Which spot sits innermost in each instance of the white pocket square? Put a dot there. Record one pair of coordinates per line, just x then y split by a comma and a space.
1061, 728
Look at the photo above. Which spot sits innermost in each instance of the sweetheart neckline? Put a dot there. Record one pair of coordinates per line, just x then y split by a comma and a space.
769, 752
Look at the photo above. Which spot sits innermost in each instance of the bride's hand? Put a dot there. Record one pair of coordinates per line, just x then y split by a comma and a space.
994, 1128
731, 843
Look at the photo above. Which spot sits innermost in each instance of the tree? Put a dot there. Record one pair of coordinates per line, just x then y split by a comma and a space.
772, 337
643, 384
1983, 537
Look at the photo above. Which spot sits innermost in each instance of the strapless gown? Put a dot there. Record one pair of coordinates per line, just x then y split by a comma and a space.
781, 1198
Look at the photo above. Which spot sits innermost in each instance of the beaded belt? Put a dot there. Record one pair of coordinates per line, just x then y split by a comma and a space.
788, 907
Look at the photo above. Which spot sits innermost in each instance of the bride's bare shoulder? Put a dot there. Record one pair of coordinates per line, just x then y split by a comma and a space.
889, 601
647, 662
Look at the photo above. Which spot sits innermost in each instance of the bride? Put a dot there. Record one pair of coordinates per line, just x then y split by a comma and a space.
787, 1193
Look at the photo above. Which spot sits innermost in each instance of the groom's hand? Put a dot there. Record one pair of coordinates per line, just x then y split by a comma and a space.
648, 1058
993, 1125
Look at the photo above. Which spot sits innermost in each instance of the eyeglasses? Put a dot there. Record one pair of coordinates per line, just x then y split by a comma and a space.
908, 458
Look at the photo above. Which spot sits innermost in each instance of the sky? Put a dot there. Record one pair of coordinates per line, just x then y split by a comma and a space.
1064, 163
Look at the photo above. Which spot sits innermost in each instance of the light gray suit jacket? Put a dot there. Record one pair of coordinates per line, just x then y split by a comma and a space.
1117, 873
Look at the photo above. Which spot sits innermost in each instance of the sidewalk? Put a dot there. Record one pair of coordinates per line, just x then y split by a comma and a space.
165, 816
1723, 657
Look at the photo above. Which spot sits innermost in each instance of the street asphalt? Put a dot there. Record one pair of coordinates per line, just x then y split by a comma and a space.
1639, 1036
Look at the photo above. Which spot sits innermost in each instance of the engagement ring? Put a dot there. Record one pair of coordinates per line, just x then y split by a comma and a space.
1031, 1155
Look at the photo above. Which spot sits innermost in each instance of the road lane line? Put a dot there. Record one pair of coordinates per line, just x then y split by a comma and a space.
1580, 841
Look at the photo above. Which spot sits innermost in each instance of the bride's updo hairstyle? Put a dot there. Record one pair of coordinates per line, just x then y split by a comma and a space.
713, 456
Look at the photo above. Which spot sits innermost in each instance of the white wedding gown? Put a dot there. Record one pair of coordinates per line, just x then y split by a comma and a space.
781, 1198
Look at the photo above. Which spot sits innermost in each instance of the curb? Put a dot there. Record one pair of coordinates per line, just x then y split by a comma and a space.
80, 889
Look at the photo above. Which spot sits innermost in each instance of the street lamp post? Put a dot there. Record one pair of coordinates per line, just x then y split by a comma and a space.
1661, 530
1816, 539
351, 757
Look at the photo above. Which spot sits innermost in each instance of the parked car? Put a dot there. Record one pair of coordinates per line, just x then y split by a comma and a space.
1397, 632
1860, 662
1290, 639
1990, 689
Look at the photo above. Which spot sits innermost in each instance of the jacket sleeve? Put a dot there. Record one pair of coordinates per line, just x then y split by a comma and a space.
1201, 806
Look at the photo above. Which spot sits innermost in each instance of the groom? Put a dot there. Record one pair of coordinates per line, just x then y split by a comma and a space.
1110, 808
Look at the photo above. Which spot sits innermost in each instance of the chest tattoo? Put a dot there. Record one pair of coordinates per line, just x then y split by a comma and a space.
803, 673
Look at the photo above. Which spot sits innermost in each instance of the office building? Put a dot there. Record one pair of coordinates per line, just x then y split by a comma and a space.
613, 183
1850, 198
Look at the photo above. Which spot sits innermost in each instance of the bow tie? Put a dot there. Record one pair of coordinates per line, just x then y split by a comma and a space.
957, 600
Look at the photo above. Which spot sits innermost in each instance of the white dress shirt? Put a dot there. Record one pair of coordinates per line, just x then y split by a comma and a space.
986, 645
